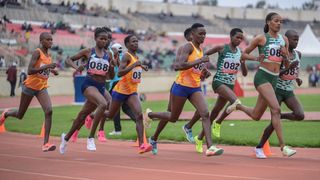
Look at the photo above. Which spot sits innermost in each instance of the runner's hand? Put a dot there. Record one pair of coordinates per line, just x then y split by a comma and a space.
54, 72
145, 67
81, 67
260, 58
299, 81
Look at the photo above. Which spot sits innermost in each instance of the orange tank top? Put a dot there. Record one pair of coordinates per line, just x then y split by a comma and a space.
191, 77
129, 82
39, 80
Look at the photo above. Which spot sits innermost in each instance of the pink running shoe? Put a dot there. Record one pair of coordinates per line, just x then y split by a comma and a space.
101, 136
88, 122
145, 148
48, 147
3, 118
74, 136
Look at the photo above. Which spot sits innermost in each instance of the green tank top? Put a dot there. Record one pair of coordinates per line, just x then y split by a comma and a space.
271, 49
228, 65
286, 82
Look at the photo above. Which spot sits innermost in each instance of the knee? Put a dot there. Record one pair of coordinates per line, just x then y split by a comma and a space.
299, 116
139, 116
103, 105
256, 117
174, 119
48, 112
20, 116
275, 110
204, 114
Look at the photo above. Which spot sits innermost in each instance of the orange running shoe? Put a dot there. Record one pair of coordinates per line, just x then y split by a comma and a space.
48, 147
145, 148
3, 118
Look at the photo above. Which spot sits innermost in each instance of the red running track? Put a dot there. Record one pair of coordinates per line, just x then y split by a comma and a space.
21, 158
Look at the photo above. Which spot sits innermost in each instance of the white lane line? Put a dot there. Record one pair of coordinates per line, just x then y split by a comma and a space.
192, 161
138, 168
41, 174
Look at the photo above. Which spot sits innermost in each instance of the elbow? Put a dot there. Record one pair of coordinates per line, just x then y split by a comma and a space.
120, 74
68, 62
29, 72
175, 67
244, 73
180, 67
111, 76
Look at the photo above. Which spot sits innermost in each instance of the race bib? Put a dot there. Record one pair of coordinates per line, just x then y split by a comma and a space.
98, 66
230, 66
44, 73
274, 53
136, 74
198, 68
291, 74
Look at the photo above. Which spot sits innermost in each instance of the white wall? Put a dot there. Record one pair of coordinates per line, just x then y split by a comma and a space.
151, 82
205, 11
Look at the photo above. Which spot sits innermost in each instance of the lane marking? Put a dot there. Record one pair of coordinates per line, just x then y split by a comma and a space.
133, 168
195, 161
42, 174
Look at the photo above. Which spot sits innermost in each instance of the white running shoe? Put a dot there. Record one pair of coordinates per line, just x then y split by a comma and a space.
232, 107
115, 133
259, 153
63, 144
214, 151
146, 119
287, 151
91, 146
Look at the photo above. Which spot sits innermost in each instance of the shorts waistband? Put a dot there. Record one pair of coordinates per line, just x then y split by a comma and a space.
269, 72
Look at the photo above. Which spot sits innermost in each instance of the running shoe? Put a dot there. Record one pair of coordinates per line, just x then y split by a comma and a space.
146, 119
154, 146
74, 136
259, 153
88, 122
214, 151
48, 147
101, 136
198, 143
145, 148
63, 144
232, 107
288, 151
216, 129
91, 146
188, 133
115, 133
3, 118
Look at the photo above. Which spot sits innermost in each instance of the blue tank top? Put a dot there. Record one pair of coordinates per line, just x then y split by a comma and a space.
97, 65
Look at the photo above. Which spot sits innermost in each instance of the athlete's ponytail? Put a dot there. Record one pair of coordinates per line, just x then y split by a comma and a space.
268, 18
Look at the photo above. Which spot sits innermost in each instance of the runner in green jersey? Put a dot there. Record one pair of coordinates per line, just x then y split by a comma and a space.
229, 63
274, 47
285, 86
